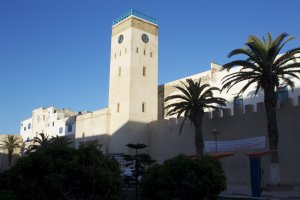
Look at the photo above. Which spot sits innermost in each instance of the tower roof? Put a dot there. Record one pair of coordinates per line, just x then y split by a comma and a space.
135, 13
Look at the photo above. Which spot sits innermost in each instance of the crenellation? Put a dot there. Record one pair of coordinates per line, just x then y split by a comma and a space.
238, 110
289, 102
227, 112
249, 108
216, 114
260, 107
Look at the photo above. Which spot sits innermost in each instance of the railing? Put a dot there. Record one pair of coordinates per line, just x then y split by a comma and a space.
137, 14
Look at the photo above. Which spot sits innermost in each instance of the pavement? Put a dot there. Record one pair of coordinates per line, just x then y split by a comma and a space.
244, 192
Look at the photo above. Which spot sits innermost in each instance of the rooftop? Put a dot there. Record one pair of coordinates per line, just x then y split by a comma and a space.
135, 13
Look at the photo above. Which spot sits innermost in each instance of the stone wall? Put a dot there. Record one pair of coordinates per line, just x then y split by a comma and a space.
165, 141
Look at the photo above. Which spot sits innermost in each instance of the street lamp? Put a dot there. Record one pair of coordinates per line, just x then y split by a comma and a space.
215, 133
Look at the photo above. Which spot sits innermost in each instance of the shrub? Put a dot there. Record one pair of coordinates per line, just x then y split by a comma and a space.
58, 172
184, 178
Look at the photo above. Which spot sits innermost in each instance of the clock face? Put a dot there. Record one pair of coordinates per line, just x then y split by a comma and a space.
145, 38
120, 39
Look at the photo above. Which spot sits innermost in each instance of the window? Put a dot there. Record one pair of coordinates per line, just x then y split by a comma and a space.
115, 55
238, 101
137, 50
144, 71
61, 130
54, 111
83, 135
119, 71
118, 107
29, 126
69, 128
151, 54
282, 95
125, 50
28, 139
144, 52
143, 107
52, 123
44, 117
120, 53
24, 128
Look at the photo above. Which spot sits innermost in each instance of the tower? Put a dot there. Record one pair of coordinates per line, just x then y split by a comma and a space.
133, 79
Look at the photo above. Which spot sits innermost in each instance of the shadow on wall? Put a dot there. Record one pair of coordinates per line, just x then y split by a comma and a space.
130, 132
166, 142
4, 161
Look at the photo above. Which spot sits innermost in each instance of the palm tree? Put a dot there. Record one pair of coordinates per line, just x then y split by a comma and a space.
23, 148
60, 141
268, 70
10, 143
192, 101
39, 143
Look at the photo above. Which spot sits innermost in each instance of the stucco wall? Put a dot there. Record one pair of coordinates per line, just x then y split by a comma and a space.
93, 126
165, 141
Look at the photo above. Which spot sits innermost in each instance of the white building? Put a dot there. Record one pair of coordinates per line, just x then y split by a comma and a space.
50, 121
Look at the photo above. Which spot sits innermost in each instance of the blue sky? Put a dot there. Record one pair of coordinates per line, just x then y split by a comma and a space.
56, 52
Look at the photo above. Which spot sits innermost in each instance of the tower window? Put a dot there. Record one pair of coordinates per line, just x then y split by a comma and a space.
52, 123
143, 107
137, 50
118, 107
125, 50
144, 71
150, 54
29, 126
120, 70
144, 52
120, 53
115, 55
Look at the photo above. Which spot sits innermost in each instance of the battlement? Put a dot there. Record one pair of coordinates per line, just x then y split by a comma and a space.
239, 111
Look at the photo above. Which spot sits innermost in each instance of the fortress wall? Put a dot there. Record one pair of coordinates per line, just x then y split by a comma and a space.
166, 142
93, 126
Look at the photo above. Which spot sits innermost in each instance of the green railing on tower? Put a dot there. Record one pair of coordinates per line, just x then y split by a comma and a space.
138, 14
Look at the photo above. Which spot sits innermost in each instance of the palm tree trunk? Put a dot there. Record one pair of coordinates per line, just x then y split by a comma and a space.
270, 105
9, 158
198, 134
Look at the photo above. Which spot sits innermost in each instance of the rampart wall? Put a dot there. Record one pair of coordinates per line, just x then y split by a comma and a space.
165, 141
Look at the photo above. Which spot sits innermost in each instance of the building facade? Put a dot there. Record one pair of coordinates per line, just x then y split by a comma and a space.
50, 121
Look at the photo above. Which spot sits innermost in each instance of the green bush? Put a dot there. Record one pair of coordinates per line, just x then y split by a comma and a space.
58, 172
184, 178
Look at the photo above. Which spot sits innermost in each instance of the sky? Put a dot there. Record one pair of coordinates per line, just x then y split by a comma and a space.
57, 52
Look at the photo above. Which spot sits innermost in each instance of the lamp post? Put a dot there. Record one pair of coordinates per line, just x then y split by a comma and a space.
215, 133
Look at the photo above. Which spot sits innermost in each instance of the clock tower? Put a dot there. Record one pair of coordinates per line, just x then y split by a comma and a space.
133, 79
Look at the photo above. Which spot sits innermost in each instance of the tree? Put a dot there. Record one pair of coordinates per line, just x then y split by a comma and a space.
23, 148
10, 143
265, 67
62, 172
192, 101
138, 162
39, 143
184, 178
60, 140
